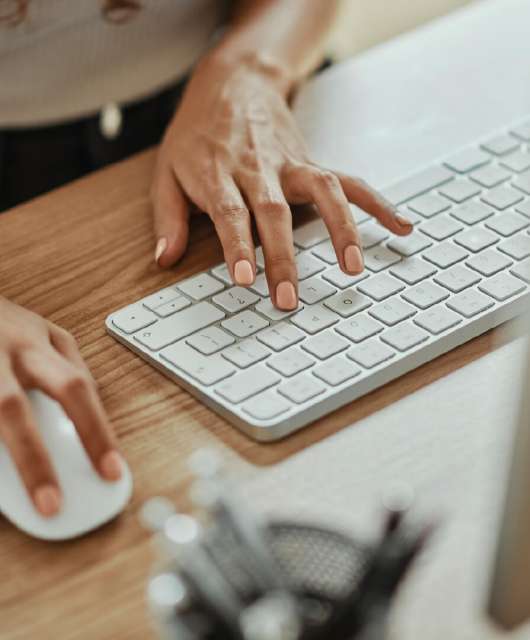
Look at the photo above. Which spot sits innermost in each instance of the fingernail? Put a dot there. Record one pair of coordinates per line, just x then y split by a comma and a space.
403, 222
161, 246
47, 500
243, 273
353, 259
111, 465
286, 296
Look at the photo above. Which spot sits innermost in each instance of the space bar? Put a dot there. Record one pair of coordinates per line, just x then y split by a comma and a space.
417, 184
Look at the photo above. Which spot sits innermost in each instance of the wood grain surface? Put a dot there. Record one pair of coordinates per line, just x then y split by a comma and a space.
74, 256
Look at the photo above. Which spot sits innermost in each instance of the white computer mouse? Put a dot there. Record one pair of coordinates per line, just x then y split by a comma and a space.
88, 500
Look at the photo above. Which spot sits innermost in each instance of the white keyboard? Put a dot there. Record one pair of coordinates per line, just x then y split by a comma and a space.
464, 269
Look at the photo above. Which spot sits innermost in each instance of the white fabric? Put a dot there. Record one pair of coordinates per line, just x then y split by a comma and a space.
65, 60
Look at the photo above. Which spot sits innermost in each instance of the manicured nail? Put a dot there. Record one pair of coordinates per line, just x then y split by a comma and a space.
286, 296
243, 273
403, 222
353, 259
47, 500
161, 246
111, 465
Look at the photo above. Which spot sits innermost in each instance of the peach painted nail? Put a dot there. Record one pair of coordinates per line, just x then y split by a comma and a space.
111, 465
161, 246
353, 259
47, 500
286, 295
243, 273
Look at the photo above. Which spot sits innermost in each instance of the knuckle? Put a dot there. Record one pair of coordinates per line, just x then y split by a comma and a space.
226, 211
272, 207
11, 403
278, 261
75, 383
327, 180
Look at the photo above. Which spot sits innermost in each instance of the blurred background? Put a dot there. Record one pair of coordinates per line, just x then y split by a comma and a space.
364, 23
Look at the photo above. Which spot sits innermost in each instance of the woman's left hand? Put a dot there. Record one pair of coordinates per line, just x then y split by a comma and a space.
234, 151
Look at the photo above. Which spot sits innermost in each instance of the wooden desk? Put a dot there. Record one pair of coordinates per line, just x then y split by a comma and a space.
85, 250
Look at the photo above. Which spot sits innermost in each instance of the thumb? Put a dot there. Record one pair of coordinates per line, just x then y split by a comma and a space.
171, 218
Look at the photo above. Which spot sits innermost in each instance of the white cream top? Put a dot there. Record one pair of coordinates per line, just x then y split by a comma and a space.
65, 60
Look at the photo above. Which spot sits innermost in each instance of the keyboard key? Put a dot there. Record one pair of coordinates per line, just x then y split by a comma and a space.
314, 319
518, 161
222, 272
245, 353
489, 262
290, 362
429, 205
201, 286
476, 239
522, 270
372, 234
310, 234
266, 308
207, 370
172, 307
281, 336
517, 247
260, 285
445, 255
379, 258
371, 353
342, 280
301, 389
412, 270
325, 251
210, 340
405, 336
460, 189
417, 184
524, 208
522, 131
348, 302
437, 320
392, 311
470, 303
502, 197
314, 290
472, 212
325, 345
413, 217
502, 286
501, 145
179, 325
359, 328
409, 245
161, 297
235, 299
508, 223
133, 318
336, 371
247, 383
522, 183
441, 227
308, 266
266, 405
380, 286
244, 324
457, 278
467, 160
425, 295
491, 176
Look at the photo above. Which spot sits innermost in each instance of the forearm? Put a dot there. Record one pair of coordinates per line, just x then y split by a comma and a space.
282, 38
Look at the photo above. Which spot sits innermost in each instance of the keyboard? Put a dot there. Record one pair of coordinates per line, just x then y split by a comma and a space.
463, 270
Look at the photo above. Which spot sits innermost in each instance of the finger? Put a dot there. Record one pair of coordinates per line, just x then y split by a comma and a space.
171, 218
232, 224
275, 227
74, 390
19, 433
324, 190
65, 344
362, 195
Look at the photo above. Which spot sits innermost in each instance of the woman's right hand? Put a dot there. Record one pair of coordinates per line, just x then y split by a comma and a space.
37, 354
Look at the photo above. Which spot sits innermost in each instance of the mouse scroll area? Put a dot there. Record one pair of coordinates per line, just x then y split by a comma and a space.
88, 500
